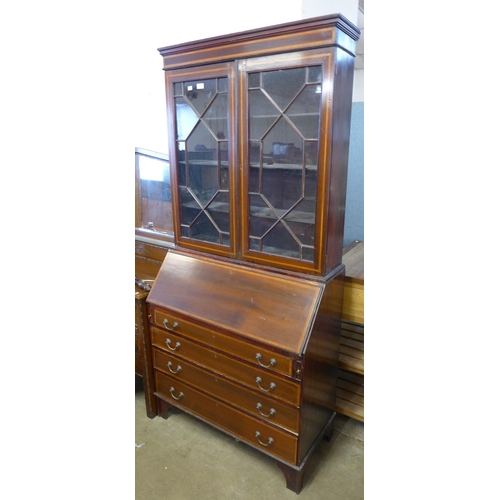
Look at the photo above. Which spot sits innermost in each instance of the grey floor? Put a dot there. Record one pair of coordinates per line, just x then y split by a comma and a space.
184, 459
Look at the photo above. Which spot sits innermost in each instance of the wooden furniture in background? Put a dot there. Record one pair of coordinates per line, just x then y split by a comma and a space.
354, 295
246, 311
148, 260
153, 196
350, 393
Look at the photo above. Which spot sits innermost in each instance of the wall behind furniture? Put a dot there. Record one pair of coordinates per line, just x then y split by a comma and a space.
161, 23
354, 210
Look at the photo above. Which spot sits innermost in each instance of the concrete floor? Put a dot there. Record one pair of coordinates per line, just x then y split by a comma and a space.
184, 459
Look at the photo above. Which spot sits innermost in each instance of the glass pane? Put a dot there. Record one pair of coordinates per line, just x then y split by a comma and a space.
280, 241
283, 159
283, 85
224, 166
308, 253
203, 159
204, 229
314, 74
200, 93
219, 211
262, 217
301, 220
282, 186
216, 117
254, 179
311, 150
202, 167
181, 163
223, 84
155, 195
186, 118
178, 89
254, 80
190, 208
262, 114
304, 111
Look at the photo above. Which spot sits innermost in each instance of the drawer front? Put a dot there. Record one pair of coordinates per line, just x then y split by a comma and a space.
252, 376
256, 355
259, 405
272, 440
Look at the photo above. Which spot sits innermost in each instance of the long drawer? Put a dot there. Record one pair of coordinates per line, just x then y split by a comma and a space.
256, 403
256, 355
262, 435
252, 376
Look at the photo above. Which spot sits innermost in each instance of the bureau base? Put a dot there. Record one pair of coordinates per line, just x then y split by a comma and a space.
294, 475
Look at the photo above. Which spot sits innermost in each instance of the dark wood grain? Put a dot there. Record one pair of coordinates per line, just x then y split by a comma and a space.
274, 309
224, 341
317, 32
286, 388
227, 418
230, 391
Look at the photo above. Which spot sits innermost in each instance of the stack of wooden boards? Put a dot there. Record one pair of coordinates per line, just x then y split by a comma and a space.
350, 392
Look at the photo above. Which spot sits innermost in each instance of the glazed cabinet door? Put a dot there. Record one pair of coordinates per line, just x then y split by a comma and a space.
287, 103
201, 102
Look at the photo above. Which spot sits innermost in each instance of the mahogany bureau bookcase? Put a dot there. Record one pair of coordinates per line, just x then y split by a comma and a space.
245, 313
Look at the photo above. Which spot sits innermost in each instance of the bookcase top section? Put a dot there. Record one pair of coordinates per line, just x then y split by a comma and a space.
310, 33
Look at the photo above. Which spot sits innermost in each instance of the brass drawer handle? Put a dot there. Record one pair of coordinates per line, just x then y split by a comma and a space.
177, 345
272, 385
258, 356
169, 366
269, 441
181, 394
270, 414
165, 323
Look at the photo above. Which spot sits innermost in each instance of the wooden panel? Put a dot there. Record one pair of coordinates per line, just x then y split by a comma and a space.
148, 260
350, 395
352, 355
223, 416
353, 259
354, 291
273, 309
146, 269
350, 382
157, 210
354, 303
234, 394
298, 35
139, 364
151, 252
216, 340
285, 389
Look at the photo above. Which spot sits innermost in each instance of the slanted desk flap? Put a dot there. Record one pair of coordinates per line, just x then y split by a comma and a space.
277, 310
